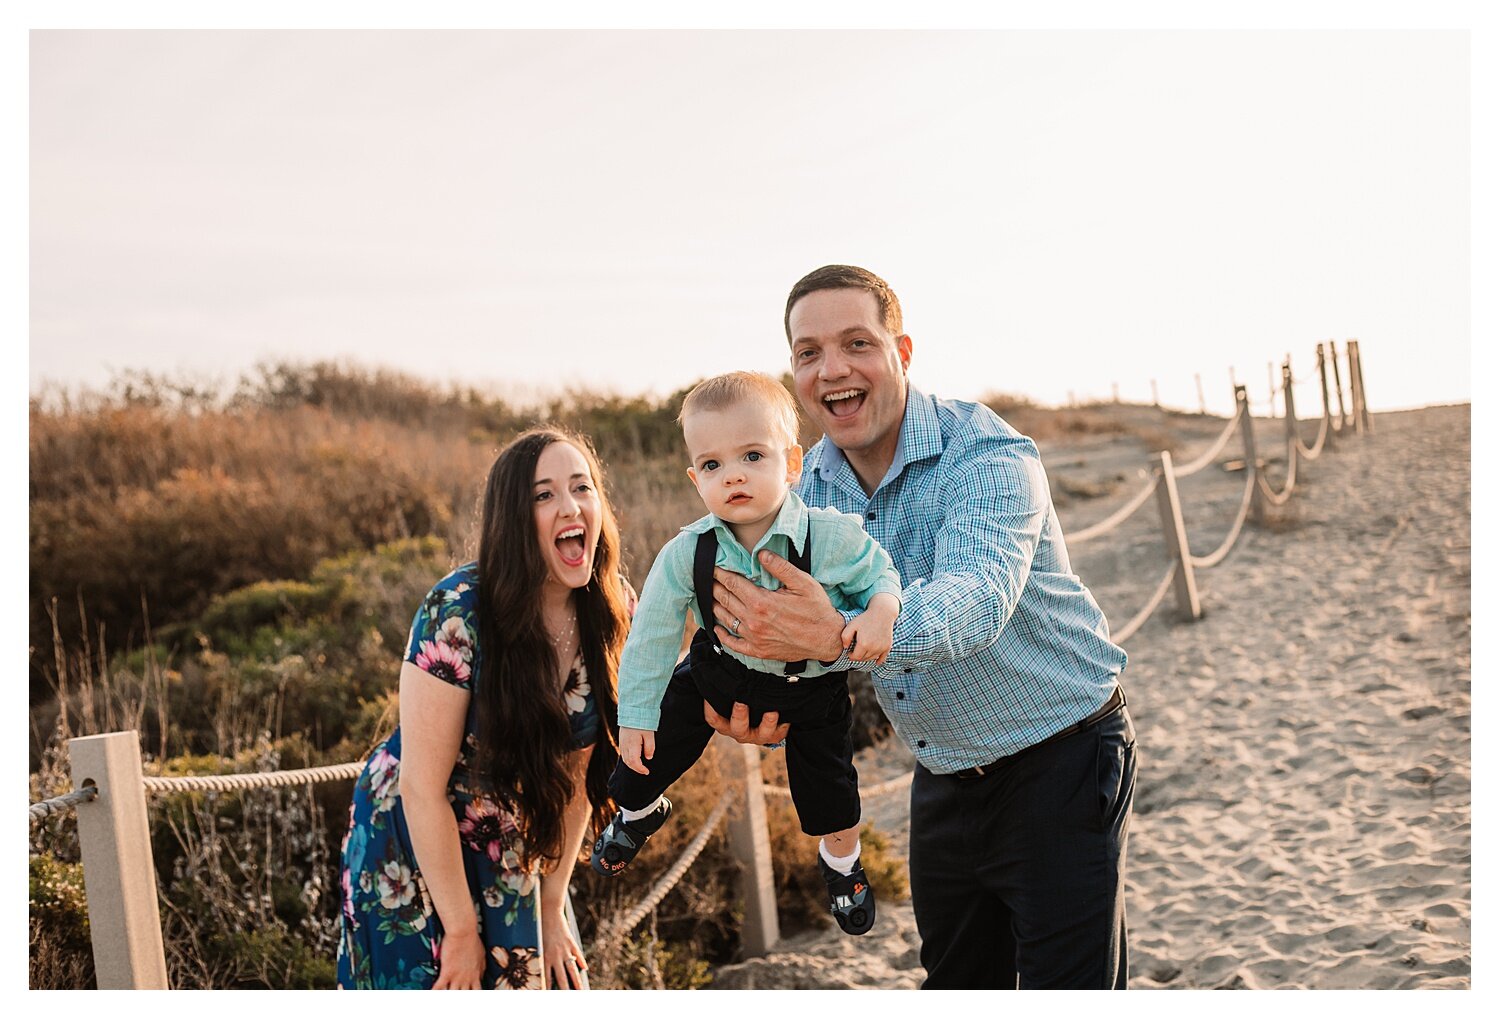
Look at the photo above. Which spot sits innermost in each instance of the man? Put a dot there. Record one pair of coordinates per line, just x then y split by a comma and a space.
1001, 677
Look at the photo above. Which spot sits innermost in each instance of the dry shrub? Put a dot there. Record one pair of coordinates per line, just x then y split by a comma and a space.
277, 538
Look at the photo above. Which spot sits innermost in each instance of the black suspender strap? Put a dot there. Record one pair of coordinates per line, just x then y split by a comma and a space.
703, 579
704, 555
803, 561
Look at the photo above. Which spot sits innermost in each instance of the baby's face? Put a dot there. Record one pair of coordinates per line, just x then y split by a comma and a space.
741, 462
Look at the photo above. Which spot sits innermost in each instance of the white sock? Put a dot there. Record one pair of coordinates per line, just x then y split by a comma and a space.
636, 815
843, 864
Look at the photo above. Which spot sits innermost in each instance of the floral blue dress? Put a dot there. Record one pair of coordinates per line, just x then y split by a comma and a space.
389, 931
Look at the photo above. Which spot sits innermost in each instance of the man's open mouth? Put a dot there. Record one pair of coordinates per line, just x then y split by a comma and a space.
570, 545
844, 402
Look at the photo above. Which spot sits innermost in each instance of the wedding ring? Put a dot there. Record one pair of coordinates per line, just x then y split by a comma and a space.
734, 629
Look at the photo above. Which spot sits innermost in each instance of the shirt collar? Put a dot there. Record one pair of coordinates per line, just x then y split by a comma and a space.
791, 520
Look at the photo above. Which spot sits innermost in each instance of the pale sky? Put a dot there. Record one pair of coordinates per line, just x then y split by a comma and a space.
1059, 212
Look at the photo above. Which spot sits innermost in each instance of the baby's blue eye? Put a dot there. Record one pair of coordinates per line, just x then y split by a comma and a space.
710, 465
754, 457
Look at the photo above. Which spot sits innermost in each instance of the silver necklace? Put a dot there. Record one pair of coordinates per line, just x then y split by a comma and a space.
561, 640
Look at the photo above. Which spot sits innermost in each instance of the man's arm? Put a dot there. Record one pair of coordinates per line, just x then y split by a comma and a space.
993, 512
995, 507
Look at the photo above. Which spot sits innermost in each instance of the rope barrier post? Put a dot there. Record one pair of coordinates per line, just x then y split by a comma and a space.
1356, 392
750, 842
1247, 432
1323, 385
1175, 535
119, 876
1290, 402
1155, 400
1358, 372
1202, 404
1338, 384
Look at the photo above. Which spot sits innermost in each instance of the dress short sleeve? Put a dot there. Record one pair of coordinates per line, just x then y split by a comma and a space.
442, 641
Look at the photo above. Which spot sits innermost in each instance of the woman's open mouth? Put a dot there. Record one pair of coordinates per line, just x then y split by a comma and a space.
570, 546
845, 402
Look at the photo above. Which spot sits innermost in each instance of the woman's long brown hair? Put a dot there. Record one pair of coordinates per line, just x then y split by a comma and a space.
523, 730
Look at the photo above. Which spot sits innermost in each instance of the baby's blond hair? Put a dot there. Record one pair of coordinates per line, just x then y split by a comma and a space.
733, 388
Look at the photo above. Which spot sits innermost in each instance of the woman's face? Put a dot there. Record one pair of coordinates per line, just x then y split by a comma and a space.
568, 513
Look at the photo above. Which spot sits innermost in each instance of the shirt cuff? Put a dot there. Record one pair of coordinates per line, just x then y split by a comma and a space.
843, 661
639, 718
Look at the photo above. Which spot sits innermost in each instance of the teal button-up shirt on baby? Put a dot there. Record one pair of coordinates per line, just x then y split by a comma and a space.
851, 566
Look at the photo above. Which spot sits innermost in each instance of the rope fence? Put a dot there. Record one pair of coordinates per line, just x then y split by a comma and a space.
63, 803
114, 836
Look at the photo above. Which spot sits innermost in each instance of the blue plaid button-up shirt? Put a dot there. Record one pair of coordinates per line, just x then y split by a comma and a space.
999, 645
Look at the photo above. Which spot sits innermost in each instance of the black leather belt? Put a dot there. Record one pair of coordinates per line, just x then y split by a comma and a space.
1115, 702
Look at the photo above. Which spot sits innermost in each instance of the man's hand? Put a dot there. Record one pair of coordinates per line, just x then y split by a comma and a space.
636, 744
787, 625
737, 725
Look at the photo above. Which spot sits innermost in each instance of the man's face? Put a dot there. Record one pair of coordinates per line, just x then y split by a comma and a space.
850, 372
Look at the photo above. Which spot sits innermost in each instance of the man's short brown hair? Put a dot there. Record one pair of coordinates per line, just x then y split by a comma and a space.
734, 388
846, 277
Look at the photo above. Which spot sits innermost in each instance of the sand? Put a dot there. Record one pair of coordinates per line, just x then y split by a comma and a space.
1302, 815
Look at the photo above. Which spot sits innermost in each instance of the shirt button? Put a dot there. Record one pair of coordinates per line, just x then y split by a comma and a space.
921, 743
906, 670
900, 696
870, 515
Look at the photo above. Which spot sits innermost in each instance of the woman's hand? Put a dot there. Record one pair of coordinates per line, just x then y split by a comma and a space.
461, 961
562, 959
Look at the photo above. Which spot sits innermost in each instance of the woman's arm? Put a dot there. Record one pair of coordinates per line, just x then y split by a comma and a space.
432, 730
563, 960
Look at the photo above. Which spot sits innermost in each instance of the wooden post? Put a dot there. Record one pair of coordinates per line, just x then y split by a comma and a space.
1323, 385
1155, 400
1115, 387
750, 842
119, 876
1176, 538
1289, 401
1358, 371
1247, 435
1202, 404
1338, 385
1356, 389
1271, 385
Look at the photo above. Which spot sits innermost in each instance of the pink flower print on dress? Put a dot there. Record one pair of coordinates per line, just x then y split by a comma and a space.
443, 661
456, 634
396, 886
483, 828
385, 772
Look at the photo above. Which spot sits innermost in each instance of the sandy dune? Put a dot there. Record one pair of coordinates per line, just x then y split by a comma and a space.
1303, 807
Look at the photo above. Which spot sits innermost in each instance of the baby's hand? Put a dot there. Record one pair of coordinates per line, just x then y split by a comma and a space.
868, 635
635, 744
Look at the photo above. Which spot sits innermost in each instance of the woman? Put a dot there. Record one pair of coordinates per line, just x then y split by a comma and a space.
467, 821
